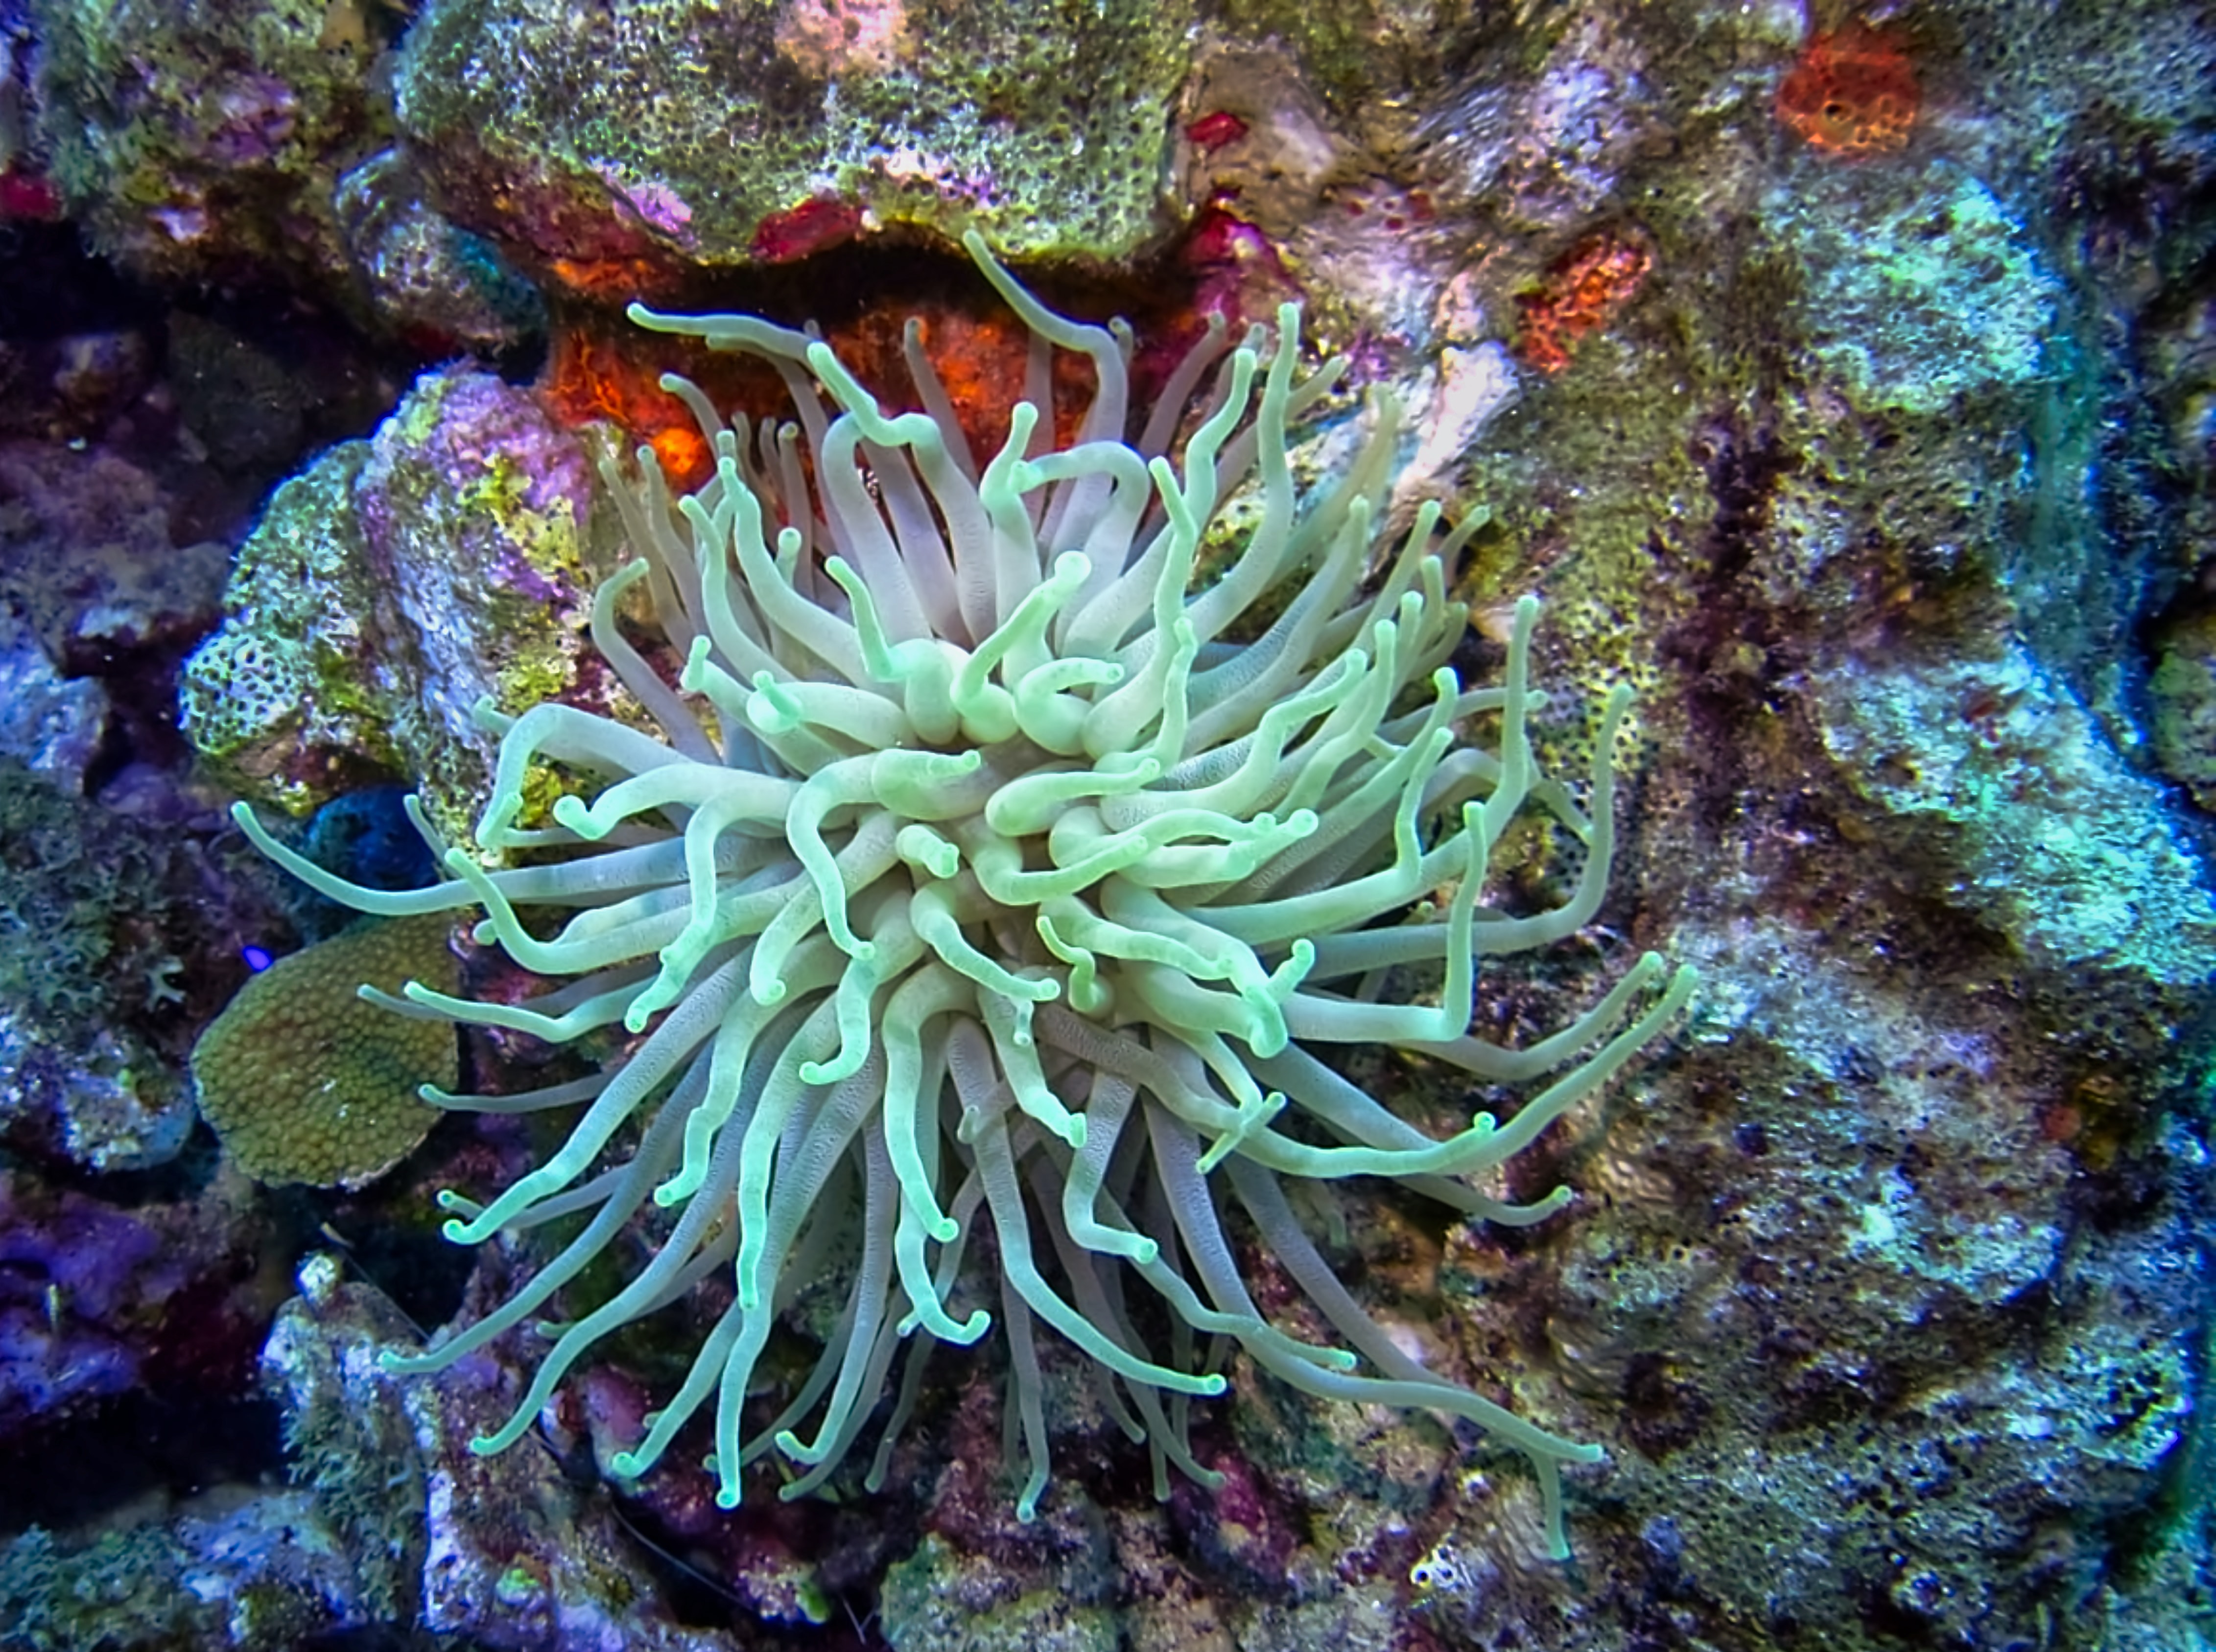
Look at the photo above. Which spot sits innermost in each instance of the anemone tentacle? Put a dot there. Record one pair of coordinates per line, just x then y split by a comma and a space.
976, 880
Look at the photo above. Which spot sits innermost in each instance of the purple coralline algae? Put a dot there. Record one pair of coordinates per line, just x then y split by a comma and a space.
97, 1300
391, 587
204, 143
74, 1271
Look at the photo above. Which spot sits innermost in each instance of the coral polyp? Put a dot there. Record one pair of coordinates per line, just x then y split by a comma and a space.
989, 878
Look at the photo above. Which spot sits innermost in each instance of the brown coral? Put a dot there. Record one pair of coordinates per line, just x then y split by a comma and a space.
305, 1082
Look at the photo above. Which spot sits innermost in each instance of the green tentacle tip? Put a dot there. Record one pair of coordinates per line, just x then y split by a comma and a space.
697, 658
773, 708
919, 845
841, 1066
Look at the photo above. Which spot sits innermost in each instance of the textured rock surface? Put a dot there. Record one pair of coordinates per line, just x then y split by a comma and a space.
1873, 443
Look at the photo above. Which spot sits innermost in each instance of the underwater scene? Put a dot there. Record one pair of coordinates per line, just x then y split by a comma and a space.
1107, 826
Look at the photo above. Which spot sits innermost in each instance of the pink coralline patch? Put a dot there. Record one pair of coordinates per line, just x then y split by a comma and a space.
655, 202
182, 224
763, 1553
489, 424
562, 224
1212, 132
829, 38
810, 227
1390, 208
1237, 1526
1236, 270
1229, 267
615, 1408
28, 196
259, 113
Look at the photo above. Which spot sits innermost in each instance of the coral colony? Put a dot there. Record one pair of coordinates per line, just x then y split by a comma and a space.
976, 875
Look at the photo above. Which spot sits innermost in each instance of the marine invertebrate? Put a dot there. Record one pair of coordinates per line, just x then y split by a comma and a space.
979, 879
305, 1082
600, 156
1852, 91
390, 586
1581, 294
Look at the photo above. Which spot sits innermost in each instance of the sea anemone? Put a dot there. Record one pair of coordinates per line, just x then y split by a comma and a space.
991, 878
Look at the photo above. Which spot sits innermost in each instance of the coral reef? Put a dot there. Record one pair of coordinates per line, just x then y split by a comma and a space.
96, 1301
1865, 429
106, 963
1047, 125
263, 1575
388, 589
506, 1551
206, 144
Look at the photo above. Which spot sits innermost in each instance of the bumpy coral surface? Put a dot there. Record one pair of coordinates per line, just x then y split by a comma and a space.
1009, 889
386, 589
306, 1082
608, 145
1587, 285
1853, 92
203, 141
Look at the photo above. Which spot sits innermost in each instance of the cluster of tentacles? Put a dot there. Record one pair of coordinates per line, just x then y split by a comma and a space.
977, 881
